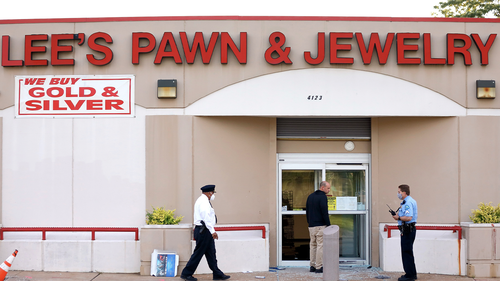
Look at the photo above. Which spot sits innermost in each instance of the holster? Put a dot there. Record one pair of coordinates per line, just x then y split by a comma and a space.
203, 227
406, 227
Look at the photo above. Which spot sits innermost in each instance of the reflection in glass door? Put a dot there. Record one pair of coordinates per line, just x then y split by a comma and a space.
296, 186
348, 193
299, 176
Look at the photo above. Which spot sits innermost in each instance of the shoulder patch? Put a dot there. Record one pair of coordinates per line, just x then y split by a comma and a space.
407, 207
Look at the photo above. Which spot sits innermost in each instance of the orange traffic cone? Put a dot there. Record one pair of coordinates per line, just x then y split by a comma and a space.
4, 267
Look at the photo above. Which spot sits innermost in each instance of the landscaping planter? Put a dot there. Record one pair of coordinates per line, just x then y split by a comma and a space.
483, 249
173, 238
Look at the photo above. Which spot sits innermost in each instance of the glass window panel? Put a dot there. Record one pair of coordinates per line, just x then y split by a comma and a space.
295, 237
348, 183
296, 187
351, 236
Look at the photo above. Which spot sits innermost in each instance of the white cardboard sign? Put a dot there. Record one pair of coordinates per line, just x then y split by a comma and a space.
347, 203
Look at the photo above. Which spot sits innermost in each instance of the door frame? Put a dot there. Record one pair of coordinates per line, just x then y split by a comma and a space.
315, 161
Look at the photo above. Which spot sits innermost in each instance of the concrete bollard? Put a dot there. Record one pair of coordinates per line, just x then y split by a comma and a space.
331, 253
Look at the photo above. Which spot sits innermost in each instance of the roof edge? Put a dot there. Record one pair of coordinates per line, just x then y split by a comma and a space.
248, 18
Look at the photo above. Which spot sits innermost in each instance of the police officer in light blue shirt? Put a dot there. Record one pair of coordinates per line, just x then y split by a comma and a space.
407, 218
408, 209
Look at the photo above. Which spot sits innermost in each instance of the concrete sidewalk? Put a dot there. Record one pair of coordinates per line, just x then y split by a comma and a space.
280, 274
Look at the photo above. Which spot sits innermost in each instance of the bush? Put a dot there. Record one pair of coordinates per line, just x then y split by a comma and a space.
162, 217
486, 214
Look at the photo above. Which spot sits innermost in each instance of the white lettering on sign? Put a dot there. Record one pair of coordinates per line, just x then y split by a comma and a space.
75, 96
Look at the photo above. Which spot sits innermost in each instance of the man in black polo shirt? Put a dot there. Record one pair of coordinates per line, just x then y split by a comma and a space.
318, 220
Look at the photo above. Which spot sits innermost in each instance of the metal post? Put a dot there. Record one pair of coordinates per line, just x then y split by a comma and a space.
331, 253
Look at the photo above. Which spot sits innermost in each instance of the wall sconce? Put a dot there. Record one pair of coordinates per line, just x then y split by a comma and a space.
485, 89
167, 89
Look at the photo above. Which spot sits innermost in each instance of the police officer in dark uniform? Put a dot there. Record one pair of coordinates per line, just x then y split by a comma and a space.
204, 234
407, 218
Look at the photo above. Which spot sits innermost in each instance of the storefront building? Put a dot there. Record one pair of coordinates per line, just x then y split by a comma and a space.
264, 107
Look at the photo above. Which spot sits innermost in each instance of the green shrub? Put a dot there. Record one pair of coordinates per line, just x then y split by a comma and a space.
162, 216
486, 214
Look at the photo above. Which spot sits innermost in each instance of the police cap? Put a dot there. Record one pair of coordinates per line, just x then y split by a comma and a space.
208, 188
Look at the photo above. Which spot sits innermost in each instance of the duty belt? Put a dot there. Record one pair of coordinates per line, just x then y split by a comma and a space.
406, 227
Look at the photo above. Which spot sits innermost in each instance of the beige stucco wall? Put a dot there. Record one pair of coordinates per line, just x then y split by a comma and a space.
238, 154
423, 153
479, 163
169, 167
420, 152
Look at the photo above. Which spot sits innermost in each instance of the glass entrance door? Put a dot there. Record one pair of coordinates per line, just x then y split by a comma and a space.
348, 200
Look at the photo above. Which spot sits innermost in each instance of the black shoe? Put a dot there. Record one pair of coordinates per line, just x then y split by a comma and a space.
312, 269
223, 277
319, 270
404, 278
189, 278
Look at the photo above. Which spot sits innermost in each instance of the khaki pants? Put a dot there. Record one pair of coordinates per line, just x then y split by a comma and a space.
316, 246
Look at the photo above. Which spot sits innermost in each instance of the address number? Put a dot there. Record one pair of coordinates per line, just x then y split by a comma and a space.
314, 97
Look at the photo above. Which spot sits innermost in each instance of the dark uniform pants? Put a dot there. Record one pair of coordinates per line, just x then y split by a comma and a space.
407, 240
205, 246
